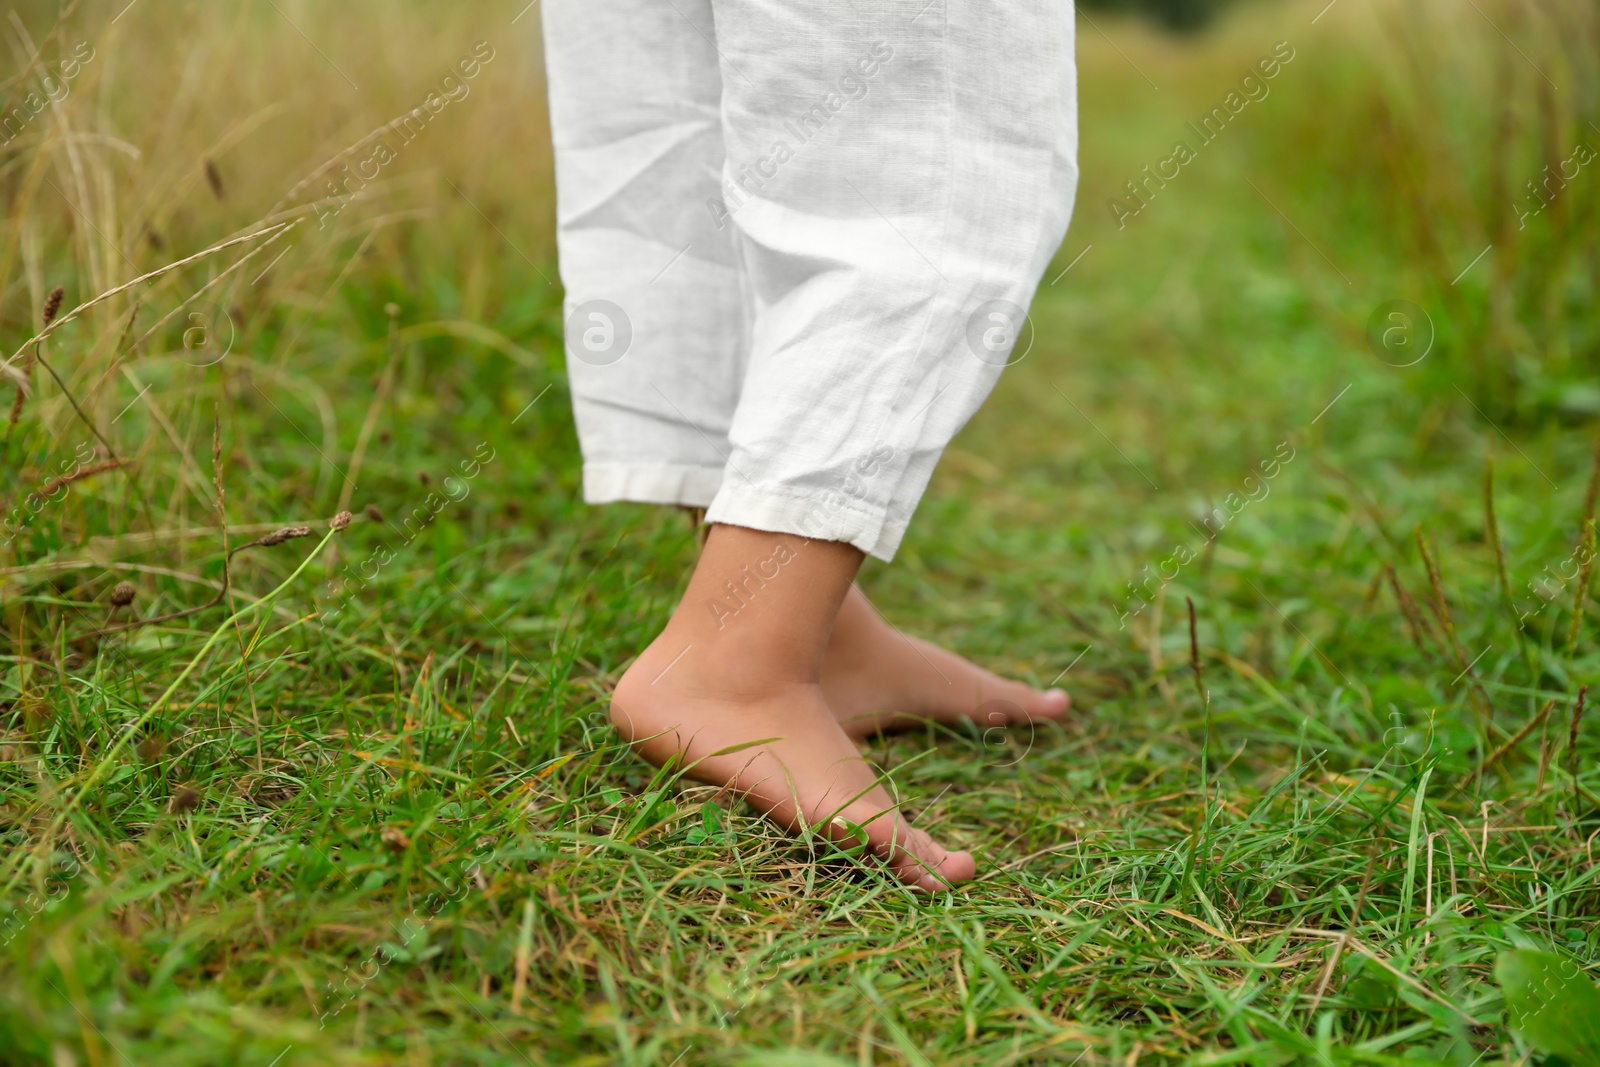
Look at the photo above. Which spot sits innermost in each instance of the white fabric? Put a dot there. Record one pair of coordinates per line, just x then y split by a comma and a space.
797, 239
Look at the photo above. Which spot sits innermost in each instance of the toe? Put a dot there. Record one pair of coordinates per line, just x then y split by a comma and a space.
919, 861
1038, 703
1021, 703
1050, 704
955, 867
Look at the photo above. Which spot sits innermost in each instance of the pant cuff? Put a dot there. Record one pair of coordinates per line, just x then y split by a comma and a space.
651, 483
824, 516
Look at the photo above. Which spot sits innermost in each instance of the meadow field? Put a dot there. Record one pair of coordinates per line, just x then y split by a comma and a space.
1294, 489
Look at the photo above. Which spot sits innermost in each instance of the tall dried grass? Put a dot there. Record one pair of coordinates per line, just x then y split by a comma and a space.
191, 153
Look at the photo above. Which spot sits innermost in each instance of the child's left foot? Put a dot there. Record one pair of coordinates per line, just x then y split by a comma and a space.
877, 678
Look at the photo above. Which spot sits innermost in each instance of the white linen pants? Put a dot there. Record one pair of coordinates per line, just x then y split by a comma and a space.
797, 239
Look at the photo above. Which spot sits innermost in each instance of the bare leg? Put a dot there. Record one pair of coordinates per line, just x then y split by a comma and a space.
732, 691
876, 678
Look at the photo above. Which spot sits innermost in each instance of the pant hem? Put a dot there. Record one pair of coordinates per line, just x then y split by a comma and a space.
823, 516
651, 483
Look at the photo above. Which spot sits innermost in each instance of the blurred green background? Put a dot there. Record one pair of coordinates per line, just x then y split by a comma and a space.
1179, 15
1341, 355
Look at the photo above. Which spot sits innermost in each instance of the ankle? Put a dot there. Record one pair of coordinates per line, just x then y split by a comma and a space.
777, 592
751, 658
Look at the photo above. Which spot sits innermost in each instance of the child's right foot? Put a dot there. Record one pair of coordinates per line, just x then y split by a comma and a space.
712, 708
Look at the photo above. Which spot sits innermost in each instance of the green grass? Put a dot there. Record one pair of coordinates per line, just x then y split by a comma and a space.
404, 833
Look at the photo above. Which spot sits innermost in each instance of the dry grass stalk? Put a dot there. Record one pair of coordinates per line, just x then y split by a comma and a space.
1585, 554
1572, 733
277, 537
1492, 526
52, 305
368, 424
1440, 603
216, 468
49, 488
24, 386
1416, 621
140, 280
1194, 655
288, 533
1441, 610
1517, 738
1593, 491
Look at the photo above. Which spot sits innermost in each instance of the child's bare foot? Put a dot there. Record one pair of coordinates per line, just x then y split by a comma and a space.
876, 678
731, 692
